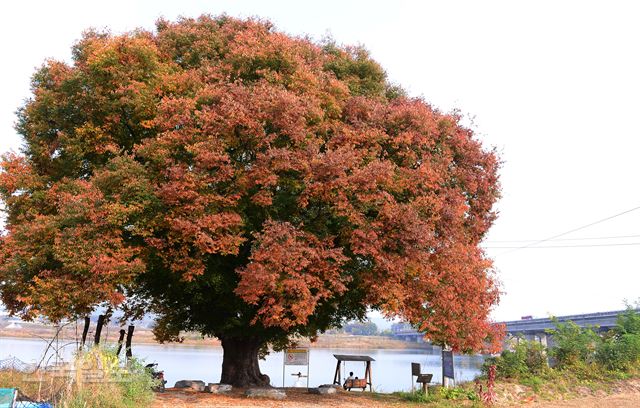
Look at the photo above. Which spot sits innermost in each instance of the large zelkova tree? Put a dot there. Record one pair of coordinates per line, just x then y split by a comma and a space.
245, 184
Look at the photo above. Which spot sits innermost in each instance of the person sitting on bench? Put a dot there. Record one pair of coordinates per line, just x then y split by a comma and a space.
346, 380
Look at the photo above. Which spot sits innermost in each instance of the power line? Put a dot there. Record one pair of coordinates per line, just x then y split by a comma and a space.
563, 239
535, 243
564, 246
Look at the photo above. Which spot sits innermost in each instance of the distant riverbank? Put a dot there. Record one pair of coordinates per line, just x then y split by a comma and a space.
145, 336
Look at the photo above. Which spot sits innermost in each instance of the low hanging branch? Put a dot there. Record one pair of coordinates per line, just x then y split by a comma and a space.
50, 345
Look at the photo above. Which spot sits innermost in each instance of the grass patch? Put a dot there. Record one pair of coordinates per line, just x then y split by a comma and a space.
96, 379
416, 396
438, 396
536, 383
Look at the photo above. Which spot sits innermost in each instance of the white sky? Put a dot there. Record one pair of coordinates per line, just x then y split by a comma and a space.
555, 86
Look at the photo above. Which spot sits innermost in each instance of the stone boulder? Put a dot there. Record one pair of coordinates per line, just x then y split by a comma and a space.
196, 385
265, 393
323, 390
218, 388
334, 386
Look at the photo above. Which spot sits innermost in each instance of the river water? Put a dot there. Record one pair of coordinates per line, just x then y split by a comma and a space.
391, 370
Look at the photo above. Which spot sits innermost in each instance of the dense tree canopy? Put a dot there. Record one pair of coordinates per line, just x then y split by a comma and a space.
366, 328
245, 184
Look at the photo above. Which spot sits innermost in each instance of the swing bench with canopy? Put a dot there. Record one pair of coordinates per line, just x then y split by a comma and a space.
358, 382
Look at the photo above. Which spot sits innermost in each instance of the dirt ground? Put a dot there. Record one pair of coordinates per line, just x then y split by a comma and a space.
622, 400
621, 394
299, 398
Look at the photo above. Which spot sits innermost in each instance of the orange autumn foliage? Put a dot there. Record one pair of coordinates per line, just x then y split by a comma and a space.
219, 163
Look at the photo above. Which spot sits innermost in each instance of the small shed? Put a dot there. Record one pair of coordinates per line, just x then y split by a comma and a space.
337, 378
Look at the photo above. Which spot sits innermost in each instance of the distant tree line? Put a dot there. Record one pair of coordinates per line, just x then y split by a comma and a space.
366, 328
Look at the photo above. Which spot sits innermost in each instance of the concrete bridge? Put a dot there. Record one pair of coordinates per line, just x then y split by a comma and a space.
535, 329
528, 328
404, 331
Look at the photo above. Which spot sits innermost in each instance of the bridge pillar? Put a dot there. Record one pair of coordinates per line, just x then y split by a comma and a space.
542, 339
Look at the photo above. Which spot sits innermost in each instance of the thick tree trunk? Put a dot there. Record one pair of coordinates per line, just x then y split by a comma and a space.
240, 366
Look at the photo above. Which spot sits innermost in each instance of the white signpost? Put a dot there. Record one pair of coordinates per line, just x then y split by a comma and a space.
296, 357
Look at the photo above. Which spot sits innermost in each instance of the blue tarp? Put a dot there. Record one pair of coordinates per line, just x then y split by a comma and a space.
7, 397
8, 400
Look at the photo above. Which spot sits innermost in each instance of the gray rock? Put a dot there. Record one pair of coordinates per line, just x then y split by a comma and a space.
323, 390
218, 388
334, 386
196, 385
265, 393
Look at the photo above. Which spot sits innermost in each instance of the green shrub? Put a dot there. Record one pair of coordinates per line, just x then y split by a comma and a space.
532, 381
593, 356
458, 393
628, 322
584, 357
114, 387
620, 352
535, 358
96, 379
526, 358
416, 396
438, 395
573, 344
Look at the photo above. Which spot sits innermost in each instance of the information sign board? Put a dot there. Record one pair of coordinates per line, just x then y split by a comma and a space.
296, 357
447, 364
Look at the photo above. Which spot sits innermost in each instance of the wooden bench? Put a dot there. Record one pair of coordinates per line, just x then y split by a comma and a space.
355, 383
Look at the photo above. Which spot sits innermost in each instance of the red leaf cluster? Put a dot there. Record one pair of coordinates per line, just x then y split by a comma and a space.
289, 272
